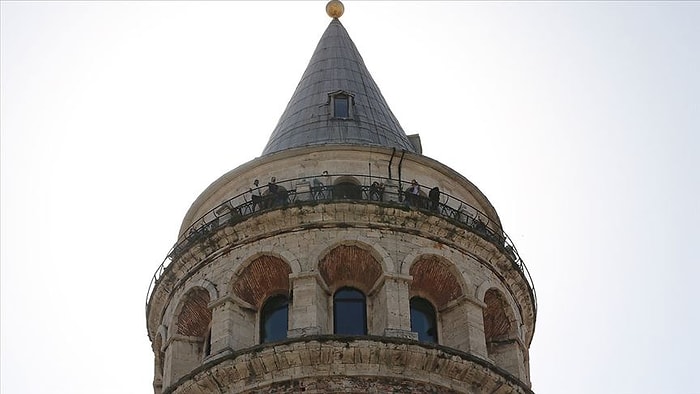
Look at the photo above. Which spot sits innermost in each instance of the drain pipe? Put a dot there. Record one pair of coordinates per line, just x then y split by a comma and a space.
370, 172
393, 152
403, 152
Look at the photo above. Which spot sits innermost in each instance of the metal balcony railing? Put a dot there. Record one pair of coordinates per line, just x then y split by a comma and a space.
311, 190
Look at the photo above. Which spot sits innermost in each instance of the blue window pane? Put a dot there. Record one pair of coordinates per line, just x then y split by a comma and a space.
273, 323
340, 107
423, 320
349, 312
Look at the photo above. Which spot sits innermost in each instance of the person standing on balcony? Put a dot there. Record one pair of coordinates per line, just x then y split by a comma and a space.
434, 196
413, 194
272, 192
376, 191
318, 190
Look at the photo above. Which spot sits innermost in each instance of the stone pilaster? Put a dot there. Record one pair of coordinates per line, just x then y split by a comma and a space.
308, 314
463, 316
182, 354
391, 190
475, 327
397, 308
221, 324
239, 322
508, 354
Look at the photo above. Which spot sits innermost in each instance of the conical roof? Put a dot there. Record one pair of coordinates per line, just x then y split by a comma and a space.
336, 68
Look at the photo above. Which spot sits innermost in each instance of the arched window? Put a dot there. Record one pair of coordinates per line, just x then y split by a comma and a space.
347, 190
497, 325
349, 312
273, 319
194, 321
500, 332
423, 320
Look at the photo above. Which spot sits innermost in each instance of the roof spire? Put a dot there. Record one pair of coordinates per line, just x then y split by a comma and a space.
337, 101
335, 9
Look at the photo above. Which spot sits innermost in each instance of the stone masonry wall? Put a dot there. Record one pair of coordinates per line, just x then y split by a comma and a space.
348, 365
389, 252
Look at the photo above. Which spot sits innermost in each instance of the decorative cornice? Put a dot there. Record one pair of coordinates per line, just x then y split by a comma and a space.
391, 359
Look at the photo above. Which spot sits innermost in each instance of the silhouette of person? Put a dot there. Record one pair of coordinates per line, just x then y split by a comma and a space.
376, 191
413, 193
434, 197
272, 191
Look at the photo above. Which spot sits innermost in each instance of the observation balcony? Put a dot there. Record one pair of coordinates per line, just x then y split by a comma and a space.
311, 190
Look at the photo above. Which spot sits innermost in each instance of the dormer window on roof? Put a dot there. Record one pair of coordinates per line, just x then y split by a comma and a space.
341, 104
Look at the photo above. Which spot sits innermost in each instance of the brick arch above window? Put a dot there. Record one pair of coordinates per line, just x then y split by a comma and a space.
350, 265
434, 280
264, 276
195, 315
497, 324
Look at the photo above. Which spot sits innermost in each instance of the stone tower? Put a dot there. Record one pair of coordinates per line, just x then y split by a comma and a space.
341, 260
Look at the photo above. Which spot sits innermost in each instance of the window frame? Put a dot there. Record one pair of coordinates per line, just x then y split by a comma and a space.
348, 301
429, 313
265, 315
333, 99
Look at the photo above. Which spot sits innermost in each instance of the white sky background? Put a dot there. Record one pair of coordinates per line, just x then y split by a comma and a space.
578, 120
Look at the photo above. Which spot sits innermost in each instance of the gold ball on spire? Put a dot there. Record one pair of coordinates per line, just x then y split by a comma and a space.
335, 9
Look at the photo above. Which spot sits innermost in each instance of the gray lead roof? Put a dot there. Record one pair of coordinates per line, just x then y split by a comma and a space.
335, 66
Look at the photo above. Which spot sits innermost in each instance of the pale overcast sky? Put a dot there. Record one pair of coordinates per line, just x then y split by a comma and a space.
579, 120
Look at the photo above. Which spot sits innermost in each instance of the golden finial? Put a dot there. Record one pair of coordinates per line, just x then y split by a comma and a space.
335, 9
